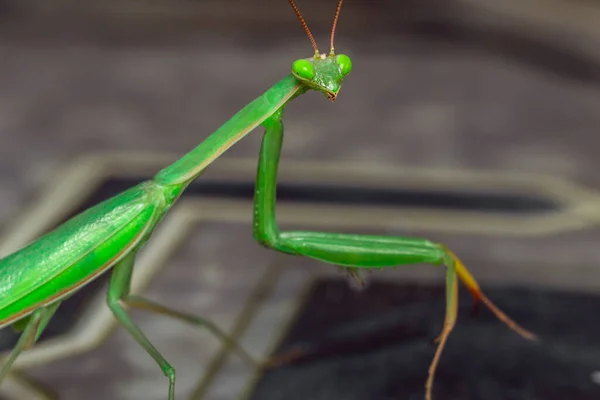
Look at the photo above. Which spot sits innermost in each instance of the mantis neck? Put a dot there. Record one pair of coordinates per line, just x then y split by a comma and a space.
177, 176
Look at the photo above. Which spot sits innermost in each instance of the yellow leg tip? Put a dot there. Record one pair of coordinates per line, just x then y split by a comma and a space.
470, 282
506, 319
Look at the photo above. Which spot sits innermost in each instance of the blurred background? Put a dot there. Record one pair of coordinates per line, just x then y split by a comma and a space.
493, 90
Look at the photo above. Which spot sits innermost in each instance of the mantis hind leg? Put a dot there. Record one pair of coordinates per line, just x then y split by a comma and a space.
118, 291
357, 251
31, 328
227, 341
119, 295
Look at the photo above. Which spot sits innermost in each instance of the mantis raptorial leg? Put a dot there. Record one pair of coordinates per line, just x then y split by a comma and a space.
359, 251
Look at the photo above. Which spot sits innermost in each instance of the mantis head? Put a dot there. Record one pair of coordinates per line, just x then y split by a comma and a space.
322, 72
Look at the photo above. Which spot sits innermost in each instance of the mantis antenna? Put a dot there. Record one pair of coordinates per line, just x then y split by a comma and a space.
335, 20
310, 35
305, 26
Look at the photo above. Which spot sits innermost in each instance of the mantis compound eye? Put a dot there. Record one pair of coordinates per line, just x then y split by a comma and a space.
345, 63
303, 69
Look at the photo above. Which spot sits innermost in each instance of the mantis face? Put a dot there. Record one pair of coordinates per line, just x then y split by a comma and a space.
323, 72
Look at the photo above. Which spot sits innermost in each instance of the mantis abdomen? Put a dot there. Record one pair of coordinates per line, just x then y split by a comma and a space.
52, 267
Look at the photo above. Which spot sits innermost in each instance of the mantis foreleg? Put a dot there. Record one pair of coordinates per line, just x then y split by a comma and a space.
358, 251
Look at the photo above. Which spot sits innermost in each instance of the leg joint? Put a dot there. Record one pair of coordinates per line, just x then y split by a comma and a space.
169, 372
269, 241
115, 302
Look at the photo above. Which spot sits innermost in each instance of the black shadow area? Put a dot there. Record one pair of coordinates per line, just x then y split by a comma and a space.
377, 345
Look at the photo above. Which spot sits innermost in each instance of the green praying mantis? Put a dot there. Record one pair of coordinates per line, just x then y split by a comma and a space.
36, 279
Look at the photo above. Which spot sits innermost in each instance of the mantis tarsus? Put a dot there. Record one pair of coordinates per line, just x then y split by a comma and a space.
36, 279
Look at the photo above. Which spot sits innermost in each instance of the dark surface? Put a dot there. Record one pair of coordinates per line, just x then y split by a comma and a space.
398, 197
376, 345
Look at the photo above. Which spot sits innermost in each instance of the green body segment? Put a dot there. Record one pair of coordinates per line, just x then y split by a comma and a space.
76, 252
191, 165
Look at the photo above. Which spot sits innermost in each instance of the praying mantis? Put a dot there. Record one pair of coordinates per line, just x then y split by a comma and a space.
37, 278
